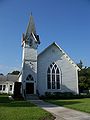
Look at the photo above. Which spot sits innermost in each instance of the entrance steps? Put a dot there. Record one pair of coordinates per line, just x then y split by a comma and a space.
32, 97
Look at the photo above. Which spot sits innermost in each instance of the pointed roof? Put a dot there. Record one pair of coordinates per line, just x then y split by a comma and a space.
64, 53
31, 26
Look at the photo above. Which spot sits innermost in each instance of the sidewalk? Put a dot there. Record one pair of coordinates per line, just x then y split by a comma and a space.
61, 113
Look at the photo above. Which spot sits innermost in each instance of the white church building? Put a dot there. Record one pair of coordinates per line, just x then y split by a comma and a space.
50, 71
7, 83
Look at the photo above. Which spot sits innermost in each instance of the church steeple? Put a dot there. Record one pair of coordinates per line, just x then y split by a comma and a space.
31, 26
30, 37
30, 43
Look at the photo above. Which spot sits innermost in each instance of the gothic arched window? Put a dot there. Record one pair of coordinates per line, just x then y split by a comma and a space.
53, 77
29, 78
48, 77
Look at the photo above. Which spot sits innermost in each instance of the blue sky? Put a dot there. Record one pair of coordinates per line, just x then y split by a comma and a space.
67, 22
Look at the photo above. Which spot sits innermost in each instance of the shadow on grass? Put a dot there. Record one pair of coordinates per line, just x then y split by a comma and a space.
5, 102
63, 102
4, 99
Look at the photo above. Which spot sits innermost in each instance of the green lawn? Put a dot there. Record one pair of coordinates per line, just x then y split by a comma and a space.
21, 110
78, 104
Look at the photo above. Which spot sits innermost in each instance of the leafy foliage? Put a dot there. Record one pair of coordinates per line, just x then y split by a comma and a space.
1, 74
80, 64
84, 78
14, 72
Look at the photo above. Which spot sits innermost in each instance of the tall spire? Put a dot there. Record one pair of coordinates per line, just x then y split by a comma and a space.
30, 33
31, 26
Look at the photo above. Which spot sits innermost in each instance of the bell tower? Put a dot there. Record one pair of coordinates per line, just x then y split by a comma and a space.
30, 42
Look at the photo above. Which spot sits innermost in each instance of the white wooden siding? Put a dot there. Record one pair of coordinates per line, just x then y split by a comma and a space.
69, 72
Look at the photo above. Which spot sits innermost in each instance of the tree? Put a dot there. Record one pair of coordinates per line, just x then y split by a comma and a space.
15, 72
80, 64
84, 79
1, 74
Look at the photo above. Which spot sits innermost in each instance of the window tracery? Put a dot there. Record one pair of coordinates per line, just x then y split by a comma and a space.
53, 77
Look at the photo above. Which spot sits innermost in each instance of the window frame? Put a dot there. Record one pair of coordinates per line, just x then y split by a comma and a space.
10, 87
4, 87
54, 81
1, 87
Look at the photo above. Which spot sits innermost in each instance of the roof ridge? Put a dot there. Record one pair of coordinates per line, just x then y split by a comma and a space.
65, 54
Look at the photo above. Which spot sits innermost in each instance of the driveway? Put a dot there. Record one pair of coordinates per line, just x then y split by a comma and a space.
61, 113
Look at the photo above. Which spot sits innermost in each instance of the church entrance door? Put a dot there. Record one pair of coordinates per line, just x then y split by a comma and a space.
29, 88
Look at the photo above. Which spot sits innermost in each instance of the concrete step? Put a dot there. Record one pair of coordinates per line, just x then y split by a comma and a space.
32, 97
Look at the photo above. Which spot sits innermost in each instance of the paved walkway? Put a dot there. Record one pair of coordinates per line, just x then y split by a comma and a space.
61, 113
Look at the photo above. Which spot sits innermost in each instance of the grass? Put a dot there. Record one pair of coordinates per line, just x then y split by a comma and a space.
77, 104
21, 110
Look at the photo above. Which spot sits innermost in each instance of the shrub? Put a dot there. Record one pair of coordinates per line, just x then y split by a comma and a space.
65, 95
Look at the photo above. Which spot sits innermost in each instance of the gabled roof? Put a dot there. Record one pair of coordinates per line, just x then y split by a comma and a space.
8, 78
64, 53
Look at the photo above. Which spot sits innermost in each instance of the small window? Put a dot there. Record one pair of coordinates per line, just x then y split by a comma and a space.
4, 87
31, 42
10, 87
29, 78
0, 87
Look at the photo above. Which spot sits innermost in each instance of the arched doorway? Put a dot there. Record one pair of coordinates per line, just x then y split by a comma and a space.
29, 85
